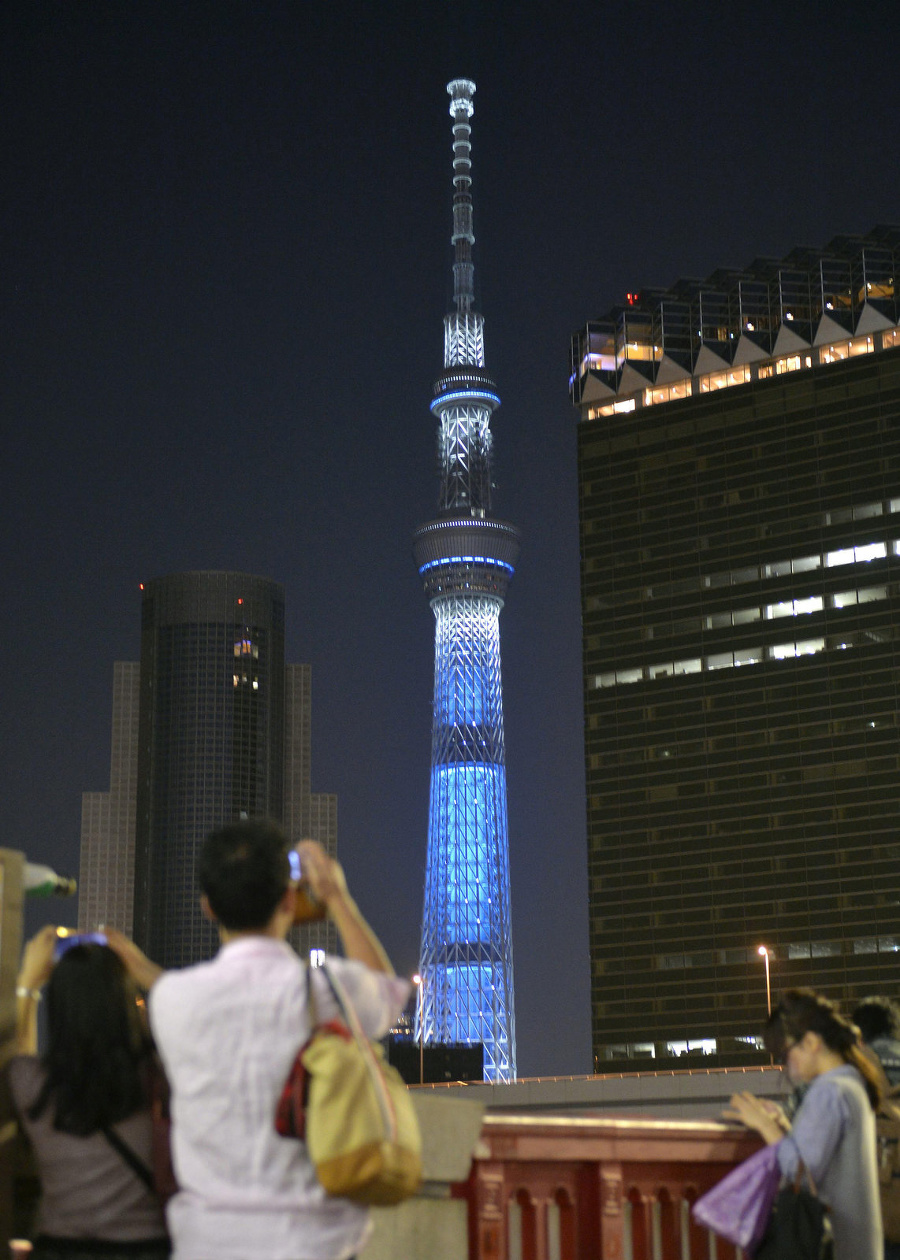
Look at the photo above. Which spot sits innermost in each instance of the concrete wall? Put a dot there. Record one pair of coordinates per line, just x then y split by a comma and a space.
694, 1094
432, 1226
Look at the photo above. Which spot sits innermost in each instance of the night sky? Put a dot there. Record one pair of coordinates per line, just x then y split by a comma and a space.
226, 261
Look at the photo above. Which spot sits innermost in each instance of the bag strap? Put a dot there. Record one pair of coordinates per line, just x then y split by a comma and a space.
374, 1068
310, 999
344, 1005
803, 1170
134, 1162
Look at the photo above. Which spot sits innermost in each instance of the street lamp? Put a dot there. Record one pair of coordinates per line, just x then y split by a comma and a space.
764, 953
417, 981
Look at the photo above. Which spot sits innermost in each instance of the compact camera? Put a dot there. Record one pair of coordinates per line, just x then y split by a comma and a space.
65, 940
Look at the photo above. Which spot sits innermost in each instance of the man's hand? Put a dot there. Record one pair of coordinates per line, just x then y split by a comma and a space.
326, 880
324, 874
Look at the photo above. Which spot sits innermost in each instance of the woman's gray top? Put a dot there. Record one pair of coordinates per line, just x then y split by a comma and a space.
87, 1189
833, 1133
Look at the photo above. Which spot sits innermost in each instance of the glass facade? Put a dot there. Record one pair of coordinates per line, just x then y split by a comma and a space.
740, 555
211, 740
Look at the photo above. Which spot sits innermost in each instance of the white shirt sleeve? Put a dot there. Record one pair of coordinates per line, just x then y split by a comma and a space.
376, 998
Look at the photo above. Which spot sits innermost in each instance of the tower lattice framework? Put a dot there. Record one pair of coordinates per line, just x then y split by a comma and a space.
466, 559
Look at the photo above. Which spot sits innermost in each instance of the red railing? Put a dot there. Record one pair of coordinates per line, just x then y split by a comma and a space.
596, 1188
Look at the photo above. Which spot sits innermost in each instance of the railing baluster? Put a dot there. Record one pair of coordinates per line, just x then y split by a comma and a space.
596, 1188
514, 1230
554, 1241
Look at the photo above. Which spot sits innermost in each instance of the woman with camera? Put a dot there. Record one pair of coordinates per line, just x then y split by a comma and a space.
85, 1103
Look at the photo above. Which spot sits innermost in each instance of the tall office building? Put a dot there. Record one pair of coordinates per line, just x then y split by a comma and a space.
210, 727
739, 473
466, 559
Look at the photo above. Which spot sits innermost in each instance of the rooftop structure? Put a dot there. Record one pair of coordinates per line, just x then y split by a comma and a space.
778, 316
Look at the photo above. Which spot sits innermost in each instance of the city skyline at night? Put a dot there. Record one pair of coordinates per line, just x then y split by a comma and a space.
223, 300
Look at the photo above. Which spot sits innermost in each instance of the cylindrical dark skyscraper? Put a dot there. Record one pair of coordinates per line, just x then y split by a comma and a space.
211, 740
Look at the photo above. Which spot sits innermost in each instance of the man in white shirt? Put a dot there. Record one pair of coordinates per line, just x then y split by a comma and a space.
228, 1031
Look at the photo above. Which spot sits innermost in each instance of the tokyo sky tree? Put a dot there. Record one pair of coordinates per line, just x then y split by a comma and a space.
466, 559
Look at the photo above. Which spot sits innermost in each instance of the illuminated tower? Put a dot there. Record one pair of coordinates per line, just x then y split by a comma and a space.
466, 559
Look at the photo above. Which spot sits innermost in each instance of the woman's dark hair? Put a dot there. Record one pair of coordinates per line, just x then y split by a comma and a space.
801, 1011
96, 1050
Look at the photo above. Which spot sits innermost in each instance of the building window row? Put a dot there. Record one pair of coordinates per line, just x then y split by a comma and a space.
797, 949
772, 612
736, 657
862, 553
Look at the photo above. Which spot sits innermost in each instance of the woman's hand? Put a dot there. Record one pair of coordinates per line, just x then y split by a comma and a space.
142, 971
37, 964
37, 960
759, 1114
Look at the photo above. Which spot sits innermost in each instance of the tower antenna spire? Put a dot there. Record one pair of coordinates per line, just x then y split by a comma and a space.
461, 92
466, 559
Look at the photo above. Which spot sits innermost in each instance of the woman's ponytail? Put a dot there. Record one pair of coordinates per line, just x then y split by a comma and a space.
802, 1011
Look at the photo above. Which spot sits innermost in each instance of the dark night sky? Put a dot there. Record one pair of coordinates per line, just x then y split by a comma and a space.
225, 265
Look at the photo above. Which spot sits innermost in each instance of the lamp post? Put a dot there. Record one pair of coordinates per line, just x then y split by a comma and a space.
417, 981
764, 953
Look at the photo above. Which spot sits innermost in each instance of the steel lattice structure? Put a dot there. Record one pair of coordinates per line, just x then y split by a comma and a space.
466, 559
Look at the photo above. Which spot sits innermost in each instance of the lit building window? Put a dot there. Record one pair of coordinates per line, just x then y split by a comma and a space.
855, 555
785, 651
795, 607
703, 1045
861, 345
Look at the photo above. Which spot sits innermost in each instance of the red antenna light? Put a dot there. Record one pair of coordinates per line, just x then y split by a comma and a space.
141, 585
240, 601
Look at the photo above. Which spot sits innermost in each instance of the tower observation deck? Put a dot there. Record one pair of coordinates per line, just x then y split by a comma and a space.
466, 559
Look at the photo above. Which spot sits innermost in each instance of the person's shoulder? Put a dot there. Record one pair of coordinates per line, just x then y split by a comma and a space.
347, 969
180, 976
845, 1085
359, 979
175, 987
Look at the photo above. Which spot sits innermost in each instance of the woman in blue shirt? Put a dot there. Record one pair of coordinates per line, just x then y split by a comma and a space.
833, 1131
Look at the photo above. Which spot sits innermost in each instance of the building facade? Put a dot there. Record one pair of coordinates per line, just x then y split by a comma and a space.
209, 727
466, 558
739, 475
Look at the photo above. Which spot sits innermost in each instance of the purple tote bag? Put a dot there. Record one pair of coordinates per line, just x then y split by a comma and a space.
739, 1206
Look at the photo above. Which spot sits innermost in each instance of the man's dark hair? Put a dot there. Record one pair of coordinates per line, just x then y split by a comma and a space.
877, 1017
243, 870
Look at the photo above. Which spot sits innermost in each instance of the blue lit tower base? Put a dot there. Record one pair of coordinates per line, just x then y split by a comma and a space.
466, 560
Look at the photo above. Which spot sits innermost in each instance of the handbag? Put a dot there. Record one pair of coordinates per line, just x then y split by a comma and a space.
739, 1206
352, 1109
799, 1228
